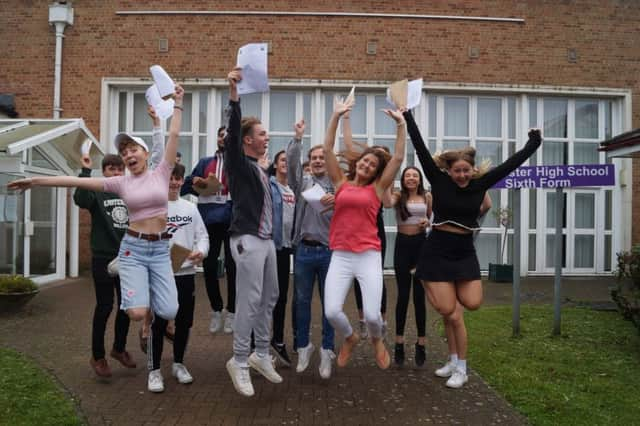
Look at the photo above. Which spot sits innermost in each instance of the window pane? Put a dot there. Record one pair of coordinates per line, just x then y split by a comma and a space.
607, 252
555, 118
141, 120
551, 210
585, 211
490, 220
384, 125
587, 119
278, 143
456, 117
555, 153
202, 148
532, 252
187, 104
488, 249
122, 112
282, 113
389, 143
410, 156
607, 210
433, 110
39, 160
204, 102
607, 120
391, 242
533, 112
358, 115
583, 256
550, 258
491, 151
533, 208
251, 105
306, 114
489, 117
585, 153
449, 144
185, 145
511, 102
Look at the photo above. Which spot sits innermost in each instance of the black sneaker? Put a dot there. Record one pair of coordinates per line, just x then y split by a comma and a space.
398, 355
281, 352
421, 355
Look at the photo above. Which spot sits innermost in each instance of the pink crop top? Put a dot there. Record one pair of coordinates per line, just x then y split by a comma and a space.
146, 195
354, 223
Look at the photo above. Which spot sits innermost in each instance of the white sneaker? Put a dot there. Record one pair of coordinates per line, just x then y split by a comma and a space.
326, 362
364, 331
240, 377
228, 322
457, 379
446, 370
181, 373
155, 382
304, 356
216, 322
264, 366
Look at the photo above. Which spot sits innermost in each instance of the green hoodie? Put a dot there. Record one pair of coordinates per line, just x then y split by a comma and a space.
109, 218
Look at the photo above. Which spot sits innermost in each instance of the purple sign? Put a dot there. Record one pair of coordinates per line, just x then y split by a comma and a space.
559, 176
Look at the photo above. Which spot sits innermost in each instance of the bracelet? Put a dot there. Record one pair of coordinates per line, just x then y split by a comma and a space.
178, 107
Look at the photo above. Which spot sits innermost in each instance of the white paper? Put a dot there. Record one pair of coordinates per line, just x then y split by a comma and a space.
414, 94
252, 58
85, 147
313, 196
2, 207
163, 109
165, 84
351, 97
11, 208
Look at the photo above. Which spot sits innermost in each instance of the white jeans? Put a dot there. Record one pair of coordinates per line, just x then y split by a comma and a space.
344, 267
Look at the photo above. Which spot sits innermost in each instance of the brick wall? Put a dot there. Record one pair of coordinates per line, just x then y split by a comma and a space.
605, 35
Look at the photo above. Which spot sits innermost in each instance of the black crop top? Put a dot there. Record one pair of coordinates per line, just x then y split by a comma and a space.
451, 203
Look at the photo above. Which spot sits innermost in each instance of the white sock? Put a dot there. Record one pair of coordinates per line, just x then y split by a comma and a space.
462, 365
453, 358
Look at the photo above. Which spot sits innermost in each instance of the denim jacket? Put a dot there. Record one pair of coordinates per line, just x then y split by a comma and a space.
276, 198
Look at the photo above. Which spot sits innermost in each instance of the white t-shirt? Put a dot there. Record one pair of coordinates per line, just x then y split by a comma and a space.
185, 224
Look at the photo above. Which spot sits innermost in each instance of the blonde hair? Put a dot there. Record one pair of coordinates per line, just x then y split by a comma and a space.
445, 159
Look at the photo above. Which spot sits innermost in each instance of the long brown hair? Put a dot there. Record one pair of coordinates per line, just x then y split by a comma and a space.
349, 158
401, 205
445, 160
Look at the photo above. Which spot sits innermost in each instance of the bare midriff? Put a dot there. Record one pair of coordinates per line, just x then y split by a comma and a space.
151, 225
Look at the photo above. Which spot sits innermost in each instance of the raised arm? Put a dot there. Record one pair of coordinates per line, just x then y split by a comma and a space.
513, 162
83, 197
157, 139
233, 140
429, 167
294, 162
392, 167
331, 161
347, 133
92, 184
174, 129
390, 198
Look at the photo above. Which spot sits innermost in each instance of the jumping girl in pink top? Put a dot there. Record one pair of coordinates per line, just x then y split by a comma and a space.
353, 235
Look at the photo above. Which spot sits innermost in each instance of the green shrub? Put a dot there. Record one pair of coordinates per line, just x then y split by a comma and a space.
627, 293
16, 284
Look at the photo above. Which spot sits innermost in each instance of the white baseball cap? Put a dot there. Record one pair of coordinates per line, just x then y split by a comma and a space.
125, 137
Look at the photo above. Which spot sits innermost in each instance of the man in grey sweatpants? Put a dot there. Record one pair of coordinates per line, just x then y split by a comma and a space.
251, 244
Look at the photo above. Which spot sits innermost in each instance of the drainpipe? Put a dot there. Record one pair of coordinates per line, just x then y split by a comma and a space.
61, 15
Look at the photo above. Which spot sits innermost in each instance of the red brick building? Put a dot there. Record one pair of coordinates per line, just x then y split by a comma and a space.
491, 70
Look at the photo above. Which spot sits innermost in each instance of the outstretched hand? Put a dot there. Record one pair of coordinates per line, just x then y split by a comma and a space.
299, 128
535, 135
179, 94
395, 114
341, 106
86, 161
20, 185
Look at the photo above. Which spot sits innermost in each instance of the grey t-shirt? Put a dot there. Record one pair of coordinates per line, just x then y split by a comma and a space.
288, 209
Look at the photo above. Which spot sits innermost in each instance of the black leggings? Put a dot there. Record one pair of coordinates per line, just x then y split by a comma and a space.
405, 258
219, 235
283, 259
105, 286
184, 321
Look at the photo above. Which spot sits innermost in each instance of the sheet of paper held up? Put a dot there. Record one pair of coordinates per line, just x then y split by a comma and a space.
252, 58
85, 147
164, 109
413, 95
179, 256
165, 84
313, 196
212, 185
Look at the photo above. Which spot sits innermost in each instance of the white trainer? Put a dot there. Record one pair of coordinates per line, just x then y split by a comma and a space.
326, 362
457, 379
181, 373
264, 366
155, 383
228, 322
240, 377
446, 370
364, 331
216, 322
304, 356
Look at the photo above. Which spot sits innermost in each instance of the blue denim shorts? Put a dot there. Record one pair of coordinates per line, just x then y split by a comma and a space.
146, 277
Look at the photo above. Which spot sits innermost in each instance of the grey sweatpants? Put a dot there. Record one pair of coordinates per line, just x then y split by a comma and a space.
256, 294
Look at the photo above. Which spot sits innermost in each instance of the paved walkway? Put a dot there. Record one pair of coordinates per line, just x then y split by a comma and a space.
55, 331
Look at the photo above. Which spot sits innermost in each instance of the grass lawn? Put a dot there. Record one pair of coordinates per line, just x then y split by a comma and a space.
588, 376
29, 396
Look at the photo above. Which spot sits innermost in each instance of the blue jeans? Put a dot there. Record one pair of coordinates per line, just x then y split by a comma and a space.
310, 262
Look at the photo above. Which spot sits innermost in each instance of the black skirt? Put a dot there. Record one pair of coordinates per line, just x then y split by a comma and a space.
446, 256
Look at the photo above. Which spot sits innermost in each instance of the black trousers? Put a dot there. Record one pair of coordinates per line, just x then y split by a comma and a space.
405, 257
105, 287
283, 259
183, 322
219, 234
